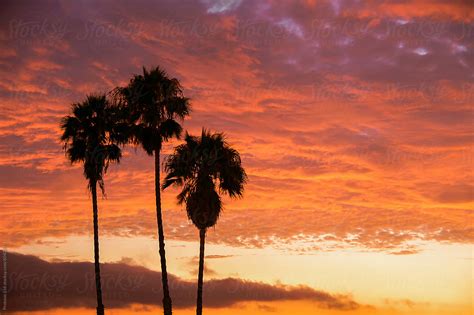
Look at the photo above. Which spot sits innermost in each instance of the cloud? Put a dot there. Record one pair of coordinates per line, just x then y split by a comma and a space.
405, 252
342, 126
456, 10
193, 266
35, 284
221, 6
219, 256
457, 193
266, 308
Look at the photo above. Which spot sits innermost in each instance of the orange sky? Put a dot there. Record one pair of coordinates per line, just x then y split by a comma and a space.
354, 122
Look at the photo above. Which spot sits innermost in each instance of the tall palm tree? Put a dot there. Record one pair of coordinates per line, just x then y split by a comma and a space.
204, 166
91, 135
155, 103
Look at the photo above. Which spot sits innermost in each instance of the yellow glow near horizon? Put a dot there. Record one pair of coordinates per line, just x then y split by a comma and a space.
277, 308
436, 275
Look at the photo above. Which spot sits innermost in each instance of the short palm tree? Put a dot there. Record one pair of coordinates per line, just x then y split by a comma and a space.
92, 135
204, 166
155, 103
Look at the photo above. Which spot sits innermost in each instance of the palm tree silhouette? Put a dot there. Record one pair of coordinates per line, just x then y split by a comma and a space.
154, 103
91, 135
204, 166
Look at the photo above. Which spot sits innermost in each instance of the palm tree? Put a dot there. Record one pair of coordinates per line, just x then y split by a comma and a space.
155, 103
91, 135
204, 166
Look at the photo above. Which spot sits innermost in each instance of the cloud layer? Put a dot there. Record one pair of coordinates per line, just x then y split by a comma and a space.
34, 284
354, 121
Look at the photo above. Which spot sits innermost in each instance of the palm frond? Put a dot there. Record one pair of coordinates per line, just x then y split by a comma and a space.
170, 128
154, 102
92, 135
201, 165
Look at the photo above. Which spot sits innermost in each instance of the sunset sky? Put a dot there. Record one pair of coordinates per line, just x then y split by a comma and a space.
354, 120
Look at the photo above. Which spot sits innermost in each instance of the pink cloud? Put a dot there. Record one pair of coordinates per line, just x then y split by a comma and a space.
340, 124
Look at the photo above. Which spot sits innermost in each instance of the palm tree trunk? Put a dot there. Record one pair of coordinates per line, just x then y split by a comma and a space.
167, 307
98, 286
202, 236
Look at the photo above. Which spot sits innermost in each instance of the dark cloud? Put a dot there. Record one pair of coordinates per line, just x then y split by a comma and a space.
266, 308
460, 193
35, 284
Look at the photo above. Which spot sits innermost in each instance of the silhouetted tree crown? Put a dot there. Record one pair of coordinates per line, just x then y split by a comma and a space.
92, 135
154, 103
205, 166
